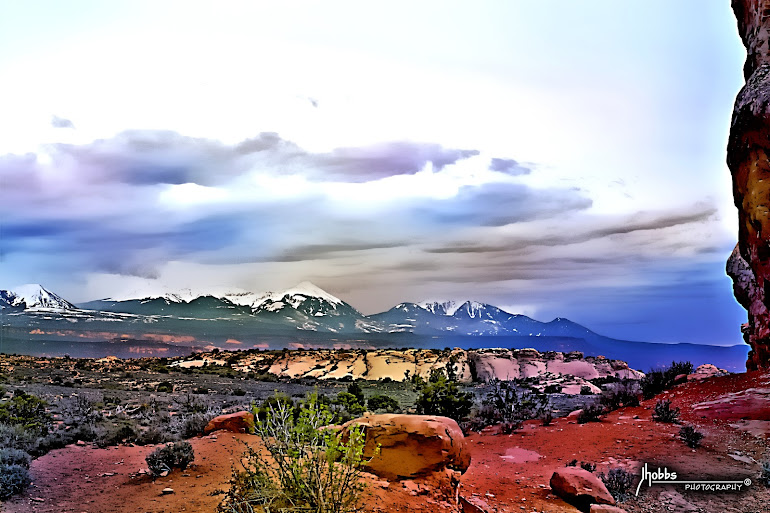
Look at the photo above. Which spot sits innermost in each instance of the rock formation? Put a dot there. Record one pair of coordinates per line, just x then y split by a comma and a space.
239, 422
580, 488
747, 157
569, 370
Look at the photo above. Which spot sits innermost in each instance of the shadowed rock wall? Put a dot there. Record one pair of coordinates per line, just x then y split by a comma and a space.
747, 157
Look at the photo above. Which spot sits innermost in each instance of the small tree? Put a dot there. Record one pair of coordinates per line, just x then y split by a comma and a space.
308, 466
442, 396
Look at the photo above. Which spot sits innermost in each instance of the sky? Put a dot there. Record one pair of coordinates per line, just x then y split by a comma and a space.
552, 158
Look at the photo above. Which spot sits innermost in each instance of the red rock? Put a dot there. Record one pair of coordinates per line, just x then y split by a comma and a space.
580, 488
412, 445
706, 370
606, 508
473, 505
239, 422
748, 148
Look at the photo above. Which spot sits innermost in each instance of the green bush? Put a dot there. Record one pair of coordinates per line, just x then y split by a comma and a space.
13, 479
17, 437
27, 411
624, 395
658, 380
509, 407
355, 389
764, 473
591, 413
10, 456
309, 468
165, 386
441, 396
690, 436
664, 413
170, 456
618, 482
383, 403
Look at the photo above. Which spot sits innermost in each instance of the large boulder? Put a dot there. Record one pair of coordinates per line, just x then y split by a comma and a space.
748, 157
580, 488
412, 446
707, 370
239, 422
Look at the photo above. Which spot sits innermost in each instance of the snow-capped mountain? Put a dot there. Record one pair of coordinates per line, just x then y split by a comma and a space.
440, 307
33, 297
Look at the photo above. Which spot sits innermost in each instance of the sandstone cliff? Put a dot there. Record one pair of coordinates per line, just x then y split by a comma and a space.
747, 157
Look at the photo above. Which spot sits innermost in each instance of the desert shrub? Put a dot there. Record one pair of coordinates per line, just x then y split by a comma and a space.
383, 403
200, 390
442, 396
585, 390
273, 403
239, 392
658, 380
505, 404
621, 396
764, 473
547, 418
585, 465
552, 389
690, 436
349, 405
10, 456
591, 413
13, 479
16, 437
664, 413
27, 411
124, 433
355, 389
194, 424
170, 456
309, 468
618, 482
165, 386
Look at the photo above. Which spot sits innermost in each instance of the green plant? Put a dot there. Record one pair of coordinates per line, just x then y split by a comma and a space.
625, 394
383, 403
10, 456
509, 407
170, 456
690, 436
618, 482
442, 396
27, 411
165, 386
658, 380
13, 479
552, 389
591, 413
308, 467
664, 413
356, 390
764, 473
15, 436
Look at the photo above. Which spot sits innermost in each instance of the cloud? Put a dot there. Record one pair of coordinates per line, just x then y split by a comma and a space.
58, 122
508, 166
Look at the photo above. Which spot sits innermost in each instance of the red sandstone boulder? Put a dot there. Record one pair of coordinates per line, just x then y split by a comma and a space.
707, 370
605, 508
580, 488
412, 445
239, 422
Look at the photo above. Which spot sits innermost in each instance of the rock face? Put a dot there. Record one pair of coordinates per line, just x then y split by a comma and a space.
400, 364
748, 153
239, 422
413, 446
580, 488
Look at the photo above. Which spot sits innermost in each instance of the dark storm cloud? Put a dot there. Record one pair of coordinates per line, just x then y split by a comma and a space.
508, 166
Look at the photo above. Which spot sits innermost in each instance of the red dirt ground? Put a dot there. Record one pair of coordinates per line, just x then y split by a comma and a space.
509, 472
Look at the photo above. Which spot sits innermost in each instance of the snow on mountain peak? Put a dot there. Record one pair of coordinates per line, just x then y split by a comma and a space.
304, 289
34, 295
440, 307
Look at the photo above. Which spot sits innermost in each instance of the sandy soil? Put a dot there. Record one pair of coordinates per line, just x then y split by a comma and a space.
509, 472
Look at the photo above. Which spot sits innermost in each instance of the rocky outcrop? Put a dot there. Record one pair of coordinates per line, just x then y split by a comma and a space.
239, 422
705, 371
473, 365
748, 158
580, 488
412, 446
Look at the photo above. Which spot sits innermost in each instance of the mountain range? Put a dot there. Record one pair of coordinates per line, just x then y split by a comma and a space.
305, 315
